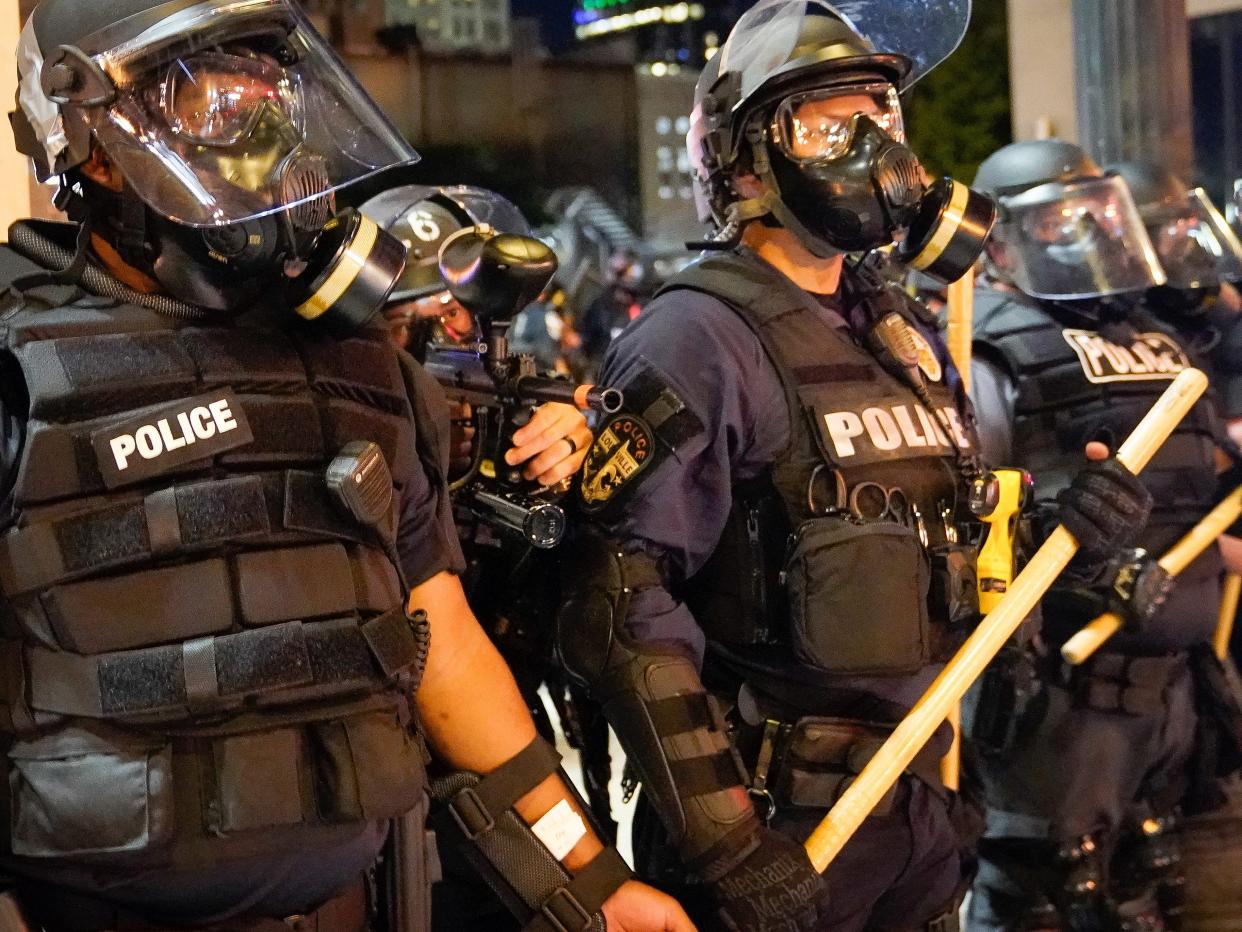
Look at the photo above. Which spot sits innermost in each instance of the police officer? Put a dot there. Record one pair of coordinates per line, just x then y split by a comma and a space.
222, 486
1202, 257
780, 561
1083, 767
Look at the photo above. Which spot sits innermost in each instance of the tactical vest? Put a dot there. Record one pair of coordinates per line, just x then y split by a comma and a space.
205, 656
1076, 384
852, 423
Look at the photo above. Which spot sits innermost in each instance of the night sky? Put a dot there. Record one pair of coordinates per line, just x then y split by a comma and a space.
557, 17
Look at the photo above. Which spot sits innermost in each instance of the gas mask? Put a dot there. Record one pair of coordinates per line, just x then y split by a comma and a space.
853, 184
234, 127
240, 120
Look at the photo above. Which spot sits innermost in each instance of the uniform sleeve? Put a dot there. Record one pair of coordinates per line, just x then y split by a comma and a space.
677, 509
427, 540
993, 394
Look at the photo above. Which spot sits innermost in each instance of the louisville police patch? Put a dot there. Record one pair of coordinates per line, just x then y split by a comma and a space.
624, 449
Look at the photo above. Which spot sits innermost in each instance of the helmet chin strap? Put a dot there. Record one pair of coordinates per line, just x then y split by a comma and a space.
771, 203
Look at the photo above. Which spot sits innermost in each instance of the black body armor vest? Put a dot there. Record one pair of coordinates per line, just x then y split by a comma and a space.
1076, 384
791, 542
205, 656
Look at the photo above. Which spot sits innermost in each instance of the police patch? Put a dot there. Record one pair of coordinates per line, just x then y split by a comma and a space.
623, 450
158, 441
1151, 357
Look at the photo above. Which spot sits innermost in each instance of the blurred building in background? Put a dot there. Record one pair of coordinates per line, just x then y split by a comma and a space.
440, 26
651, 31
1133, 79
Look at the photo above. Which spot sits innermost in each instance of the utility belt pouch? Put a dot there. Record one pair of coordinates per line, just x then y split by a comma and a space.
823, 756
476, 812
842, 622
1123, 684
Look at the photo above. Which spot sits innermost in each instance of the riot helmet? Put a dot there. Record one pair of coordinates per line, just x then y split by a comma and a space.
233, 127
423, 218
1197, 247
1067, 230
804, 98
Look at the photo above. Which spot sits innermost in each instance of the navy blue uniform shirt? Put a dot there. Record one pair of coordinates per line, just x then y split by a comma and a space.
707, 354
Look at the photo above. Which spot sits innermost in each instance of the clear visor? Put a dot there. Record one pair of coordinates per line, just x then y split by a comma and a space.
1069, 242
1196, 245
226, 112
818, 126
924, 31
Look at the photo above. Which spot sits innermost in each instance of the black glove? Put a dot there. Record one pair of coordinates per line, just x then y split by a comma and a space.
1105, 508
1139, 587
775, 889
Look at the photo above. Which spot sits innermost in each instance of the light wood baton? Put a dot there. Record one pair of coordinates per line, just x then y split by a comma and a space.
1079, 648
914, 731
1230, 592
961, 336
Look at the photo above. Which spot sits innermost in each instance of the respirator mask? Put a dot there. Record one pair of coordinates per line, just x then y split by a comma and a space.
234, 127
844, 171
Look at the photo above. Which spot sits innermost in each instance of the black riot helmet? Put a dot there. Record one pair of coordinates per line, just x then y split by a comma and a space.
803, 97
1067, 231
233, 127
1197, 247
422, 218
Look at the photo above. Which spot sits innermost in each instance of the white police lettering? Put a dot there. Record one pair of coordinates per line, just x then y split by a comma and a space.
887, 430
1151, 357
160, 440
172, 433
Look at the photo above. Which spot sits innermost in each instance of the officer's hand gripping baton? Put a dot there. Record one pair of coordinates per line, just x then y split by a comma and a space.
914, 731
1081, 646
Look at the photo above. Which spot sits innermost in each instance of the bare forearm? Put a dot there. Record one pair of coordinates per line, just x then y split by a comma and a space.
470, 707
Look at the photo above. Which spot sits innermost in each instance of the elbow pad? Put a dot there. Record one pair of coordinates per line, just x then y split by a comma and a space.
673, 731
477, 812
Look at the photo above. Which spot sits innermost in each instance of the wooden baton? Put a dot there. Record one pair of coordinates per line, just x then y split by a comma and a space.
914, 731
1230, 592
961, 347
1199, 538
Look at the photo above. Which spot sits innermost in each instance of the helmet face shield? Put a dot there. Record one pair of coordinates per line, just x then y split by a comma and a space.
819, 126
229, 111
925, 32
1075, 241
1195, 243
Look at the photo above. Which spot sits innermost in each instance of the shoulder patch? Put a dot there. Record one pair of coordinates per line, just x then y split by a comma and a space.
623, 450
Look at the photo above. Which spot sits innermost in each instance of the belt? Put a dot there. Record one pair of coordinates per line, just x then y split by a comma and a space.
1122, 683
810, 762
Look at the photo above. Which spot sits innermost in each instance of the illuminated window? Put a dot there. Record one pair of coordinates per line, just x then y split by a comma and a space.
663, 125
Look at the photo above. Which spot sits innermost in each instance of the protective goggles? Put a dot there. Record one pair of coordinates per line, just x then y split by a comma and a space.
1196, 245
818, 126
217, 99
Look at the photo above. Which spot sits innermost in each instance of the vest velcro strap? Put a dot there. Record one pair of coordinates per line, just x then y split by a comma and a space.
206, 674
188, 517
698, 776
476, 808
392, 642
571, 907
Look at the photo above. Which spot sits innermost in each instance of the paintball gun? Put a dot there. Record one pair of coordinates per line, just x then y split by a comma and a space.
494, 276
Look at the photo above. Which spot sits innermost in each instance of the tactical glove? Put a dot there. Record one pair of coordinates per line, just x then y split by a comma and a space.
1140, 586
774, 889
1105, 508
